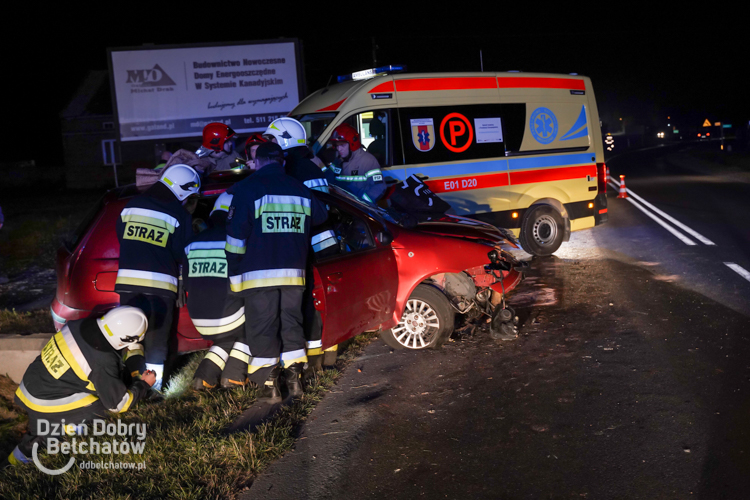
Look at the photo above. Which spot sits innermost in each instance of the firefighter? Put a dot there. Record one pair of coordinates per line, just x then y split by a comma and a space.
78, 377
218, 147
153, 230
360, 173
218, 315
268, 237
292, 137
251, 145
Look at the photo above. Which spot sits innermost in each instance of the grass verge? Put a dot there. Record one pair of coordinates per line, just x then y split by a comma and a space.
188, 453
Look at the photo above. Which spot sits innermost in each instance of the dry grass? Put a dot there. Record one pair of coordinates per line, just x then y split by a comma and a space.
188, 452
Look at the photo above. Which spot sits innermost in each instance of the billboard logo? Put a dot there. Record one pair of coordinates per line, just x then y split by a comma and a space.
154, 77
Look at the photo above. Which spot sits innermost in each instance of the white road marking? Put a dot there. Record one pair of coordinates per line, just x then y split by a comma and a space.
663, 224
738, 269
616, 185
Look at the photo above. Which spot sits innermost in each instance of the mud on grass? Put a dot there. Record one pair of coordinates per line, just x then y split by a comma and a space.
188, 453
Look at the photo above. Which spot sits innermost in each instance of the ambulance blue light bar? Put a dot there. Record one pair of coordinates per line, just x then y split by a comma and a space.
369, 73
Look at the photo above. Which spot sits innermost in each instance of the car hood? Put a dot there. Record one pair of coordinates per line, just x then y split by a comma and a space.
462, 227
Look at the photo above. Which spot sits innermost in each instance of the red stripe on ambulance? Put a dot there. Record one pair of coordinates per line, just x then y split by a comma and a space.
552, 174
509, 82
421, 84
465, 183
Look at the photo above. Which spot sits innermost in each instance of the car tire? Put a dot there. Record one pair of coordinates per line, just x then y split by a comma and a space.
426, 323
542, 230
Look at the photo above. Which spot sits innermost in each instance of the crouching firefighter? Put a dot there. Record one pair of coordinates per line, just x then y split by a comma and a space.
78, 377
268, 238
153, 230
218, 315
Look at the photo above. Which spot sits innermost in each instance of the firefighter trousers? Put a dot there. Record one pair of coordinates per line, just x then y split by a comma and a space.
312, 322
227, 358
160, 313
274, 330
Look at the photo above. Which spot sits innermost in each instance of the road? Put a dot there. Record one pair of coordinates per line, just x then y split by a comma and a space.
631, 377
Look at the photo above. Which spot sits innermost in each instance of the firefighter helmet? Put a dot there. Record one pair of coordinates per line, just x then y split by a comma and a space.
254, 140
288, 132
346, 133
223, 202
123, 326
182, 180
215, 136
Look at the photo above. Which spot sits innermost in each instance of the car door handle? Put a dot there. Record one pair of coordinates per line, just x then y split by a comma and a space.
335, 277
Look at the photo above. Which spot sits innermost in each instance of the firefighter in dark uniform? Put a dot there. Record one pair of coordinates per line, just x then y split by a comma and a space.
268, 240
292, 137
218, 315
78, 377
153, 230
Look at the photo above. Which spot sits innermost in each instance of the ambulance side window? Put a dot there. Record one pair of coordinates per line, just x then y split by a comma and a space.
436, 134
375, 131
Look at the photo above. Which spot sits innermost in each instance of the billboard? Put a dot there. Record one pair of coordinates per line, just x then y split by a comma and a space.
174, 91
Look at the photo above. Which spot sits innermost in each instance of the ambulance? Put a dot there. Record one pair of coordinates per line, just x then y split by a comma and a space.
521, 151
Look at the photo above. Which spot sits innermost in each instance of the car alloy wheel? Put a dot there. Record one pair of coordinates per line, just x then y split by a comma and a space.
418, 326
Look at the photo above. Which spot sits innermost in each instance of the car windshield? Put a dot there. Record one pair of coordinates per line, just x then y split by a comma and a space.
315, 124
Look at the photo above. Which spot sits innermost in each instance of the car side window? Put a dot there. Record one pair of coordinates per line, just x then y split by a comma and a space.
352, 234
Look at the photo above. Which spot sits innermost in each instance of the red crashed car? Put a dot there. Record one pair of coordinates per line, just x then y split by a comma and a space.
408, 283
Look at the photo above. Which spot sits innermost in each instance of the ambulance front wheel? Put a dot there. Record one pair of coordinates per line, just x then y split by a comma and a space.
542, 230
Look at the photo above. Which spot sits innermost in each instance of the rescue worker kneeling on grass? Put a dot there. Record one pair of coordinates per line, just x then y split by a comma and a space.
218, 315
153, 230
268, 238
78, 377
360, 173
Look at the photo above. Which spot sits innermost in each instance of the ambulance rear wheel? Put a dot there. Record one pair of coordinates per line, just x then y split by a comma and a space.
542, 230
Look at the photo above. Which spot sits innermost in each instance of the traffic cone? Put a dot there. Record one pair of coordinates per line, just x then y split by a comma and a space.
623, 193
609, 177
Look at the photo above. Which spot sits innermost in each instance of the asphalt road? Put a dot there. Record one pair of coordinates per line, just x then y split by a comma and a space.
631, 377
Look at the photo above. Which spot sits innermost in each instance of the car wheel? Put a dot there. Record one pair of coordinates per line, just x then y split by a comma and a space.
427, 321
542, 230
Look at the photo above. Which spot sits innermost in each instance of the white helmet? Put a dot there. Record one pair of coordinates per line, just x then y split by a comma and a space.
123, 326
289, 133
223, 202
182, 180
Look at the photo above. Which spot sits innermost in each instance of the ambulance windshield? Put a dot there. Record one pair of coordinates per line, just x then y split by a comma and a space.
315, 124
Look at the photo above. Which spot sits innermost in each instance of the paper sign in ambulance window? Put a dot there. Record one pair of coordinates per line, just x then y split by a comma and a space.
488, 130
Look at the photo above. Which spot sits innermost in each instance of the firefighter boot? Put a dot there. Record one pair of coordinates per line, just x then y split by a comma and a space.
293, 376
228, 383
270, 392
199, 384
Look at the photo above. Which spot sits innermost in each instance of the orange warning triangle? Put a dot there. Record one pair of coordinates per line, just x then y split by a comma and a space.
707, 123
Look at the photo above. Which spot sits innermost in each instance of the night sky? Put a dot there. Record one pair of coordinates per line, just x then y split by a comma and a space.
644, 65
